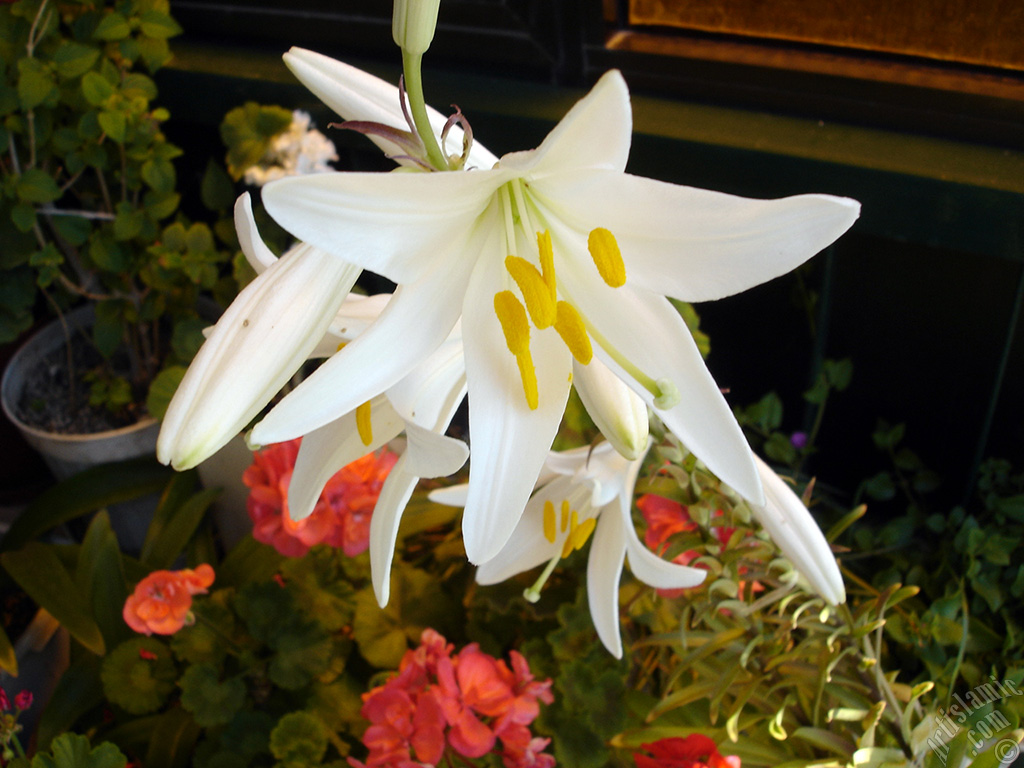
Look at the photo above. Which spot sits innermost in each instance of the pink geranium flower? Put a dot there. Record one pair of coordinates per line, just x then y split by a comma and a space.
342, 514
470, 703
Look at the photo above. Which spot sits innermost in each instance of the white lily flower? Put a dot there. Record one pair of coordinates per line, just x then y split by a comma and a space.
254, 348
594, 253
422, 405
791, 526
582, 491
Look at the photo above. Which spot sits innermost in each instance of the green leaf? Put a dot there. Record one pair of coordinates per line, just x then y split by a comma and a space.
299, 738
96, 89
39, 571
159, 25
24, 217
36, 84
113, 27
218, 193
162, 389
78, 691
108, 327
115, 125
100, 575
139, 675
37, 186
211, 701
70, 750
128, 222
8, 658
86, 492
779, 448
108, 255
838, 373
159, 175
74, 229
74, 59
173, 527
172, 744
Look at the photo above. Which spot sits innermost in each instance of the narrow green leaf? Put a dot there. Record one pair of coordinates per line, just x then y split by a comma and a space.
39, 571
173, 741
169, 540
86, 492
8, 659
100, 575
78, 690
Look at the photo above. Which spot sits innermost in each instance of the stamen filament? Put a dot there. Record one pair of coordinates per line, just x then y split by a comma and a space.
532, 594
666, 394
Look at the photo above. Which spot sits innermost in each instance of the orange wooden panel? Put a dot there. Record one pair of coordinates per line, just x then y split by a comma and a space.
985, 32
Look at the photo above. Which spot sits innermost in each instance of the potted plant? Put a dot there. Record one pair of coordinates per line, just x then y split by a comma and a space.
88, 207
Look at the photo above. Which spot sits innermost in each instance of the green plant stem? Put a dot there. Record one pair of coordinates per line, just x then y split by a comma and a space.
414, 90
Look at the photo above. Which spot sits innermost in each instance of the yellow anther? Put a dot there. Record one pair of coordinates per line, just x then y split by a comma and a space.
528, 374
516, 328
570, 327
363, 424
565, 515
582, 532
574, 523
607, 257
547, 260
549, 521
540, 301
513, 321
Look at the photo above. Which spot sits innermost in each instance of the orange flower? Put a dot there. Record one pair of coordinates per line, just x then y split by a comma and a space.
162, 601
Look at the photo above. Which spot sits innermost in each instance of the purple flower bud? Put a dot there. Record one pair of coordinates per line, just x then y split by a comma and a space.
798, 439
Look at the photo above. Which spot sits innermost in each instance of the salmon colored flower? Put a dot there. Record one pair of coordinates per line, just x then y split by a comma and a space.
162, 601
467, 703
694, 751
341, 517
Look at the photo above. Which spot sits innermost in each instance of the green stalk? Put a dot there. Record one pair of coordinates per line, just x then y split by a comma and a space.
414, 89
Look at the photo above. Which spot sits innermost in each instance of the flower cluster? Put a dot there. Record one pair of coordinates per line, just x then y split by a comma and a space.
298, 150
694, 751
162, 602
341, 517
9, 726
467, 703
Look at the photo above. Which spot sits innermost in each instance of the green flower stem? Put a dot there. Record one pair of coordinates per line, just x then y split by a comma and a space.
414, 89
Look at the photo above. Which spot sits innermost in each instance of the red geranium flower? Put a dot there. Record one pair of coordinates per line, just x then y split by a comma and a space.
694, 751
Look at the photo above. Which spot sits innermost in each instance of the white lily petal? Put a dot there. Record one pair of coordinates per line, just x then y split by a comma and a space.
452, 496
357, 313
431, 393
335, 445
595, 134
358, 95
384, 525
412, 325
527, 547
618, 411
404, 226
653, 570
648, 330
792, 527
432, 455
694, 244
256, 252
509, 440
255, 347
604, 569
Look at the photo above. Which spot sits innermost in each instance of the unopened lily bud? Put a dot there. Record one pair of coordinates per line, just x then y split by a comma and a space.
413, 24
